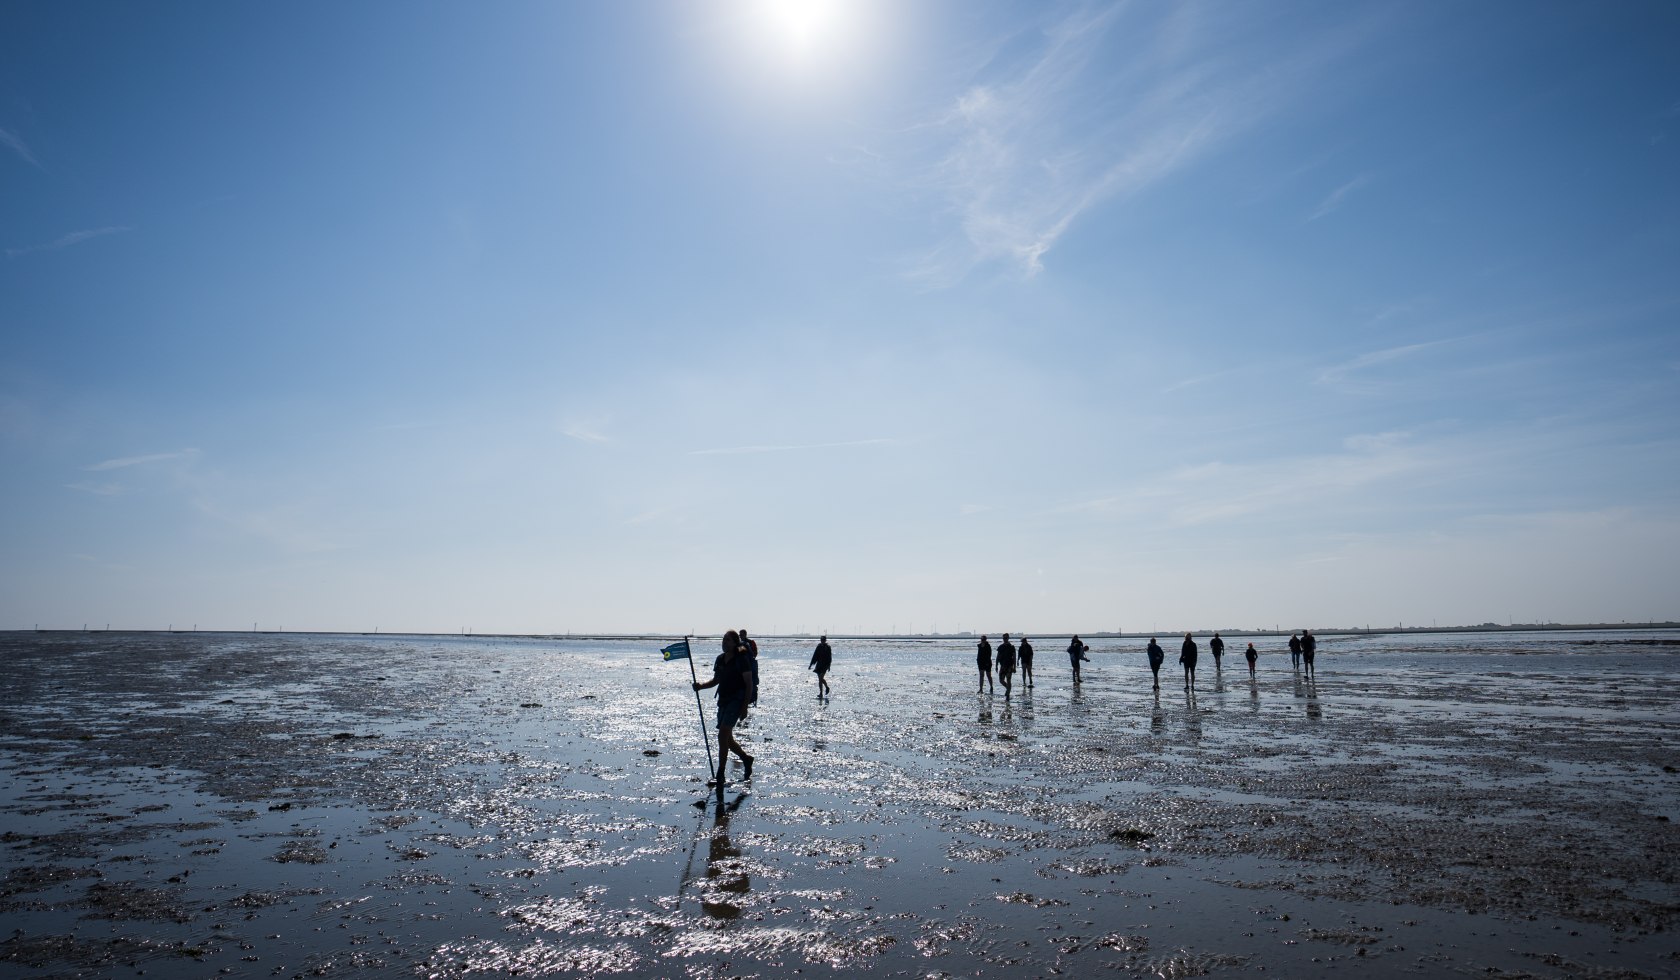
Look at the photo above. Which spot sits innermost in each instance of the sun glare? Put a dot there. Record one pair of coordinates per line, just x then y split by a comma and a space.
801, 25
807, 35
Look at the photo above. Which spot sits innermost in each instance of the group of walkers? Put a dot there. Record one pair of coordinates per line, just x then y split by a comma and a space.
735, 675
1009, 656
1302, 647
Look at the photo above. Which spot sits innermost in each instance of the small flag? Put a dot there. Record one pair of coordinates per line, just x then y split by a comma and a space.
676, 651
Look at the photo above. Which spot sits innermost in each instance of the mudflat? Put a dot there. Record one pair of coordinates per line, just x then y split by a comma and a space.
300, 805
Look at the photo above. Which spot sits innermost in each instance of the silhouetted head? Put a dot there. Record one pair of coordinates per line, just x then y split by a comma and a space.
1215, 632
982, 636
823, 638
1006, 636
731, 642
1187, 636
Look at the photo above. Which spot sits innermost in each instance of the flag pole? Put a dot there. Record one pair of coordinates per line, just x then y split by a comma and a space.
705, 739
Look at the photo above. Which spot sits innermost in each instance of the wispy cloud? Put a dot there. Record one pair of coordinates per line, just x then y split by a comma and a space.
1215, 492
1336, 197
19, 147
584, 431
1338, 373
127, 461
98, 489
1027, 153
743, 450
65, 241
1200, 379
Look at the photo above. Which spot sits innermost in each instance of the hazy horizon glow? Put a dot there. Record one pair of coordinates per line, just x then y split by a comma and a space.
808, 315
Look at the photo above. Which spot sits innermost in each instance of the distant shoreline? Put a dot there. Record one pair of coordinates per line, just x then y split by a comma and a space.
1129, 635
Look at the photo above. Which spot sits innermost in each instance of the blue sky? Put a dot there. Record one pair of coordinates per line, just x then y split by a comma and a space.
859, 316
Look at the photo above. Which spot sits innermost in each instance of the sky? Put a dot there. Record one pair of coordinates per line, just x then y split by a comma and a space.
860, 316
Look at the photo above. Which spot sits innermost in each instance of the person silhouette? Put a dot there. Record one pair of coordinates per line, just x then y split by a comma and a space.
1026, 655
1006, 664
1076, 653
732, 676
822, 658
1187, 657
1216, 646
1251, 655
983, 659
1157, 656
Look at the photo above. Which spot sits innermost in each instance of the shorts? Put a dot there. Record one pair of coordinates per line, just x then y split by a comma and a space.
730, 712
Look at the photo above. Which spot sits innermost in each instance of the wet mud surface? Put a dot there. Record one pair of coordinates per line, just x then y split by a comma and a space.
311, 806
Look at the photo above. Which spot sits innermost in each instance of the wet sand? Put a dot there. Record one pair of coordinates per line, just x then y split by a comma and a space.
266, 805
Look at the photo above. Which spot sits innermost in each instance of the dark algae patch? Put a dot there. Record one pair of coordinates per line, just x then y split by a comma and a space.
294, 805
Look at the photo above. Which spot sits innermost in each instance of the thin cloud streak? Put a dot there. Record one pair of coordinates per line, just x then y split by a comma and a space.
1217, 492
74, 238
18, 146
1337, 373
127, 461
98, 489
1337, 196
584, 432
744, 450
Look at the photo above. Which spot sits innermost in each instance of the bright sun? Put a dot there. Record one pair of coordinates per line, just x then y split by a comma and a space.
807, 34
801, 25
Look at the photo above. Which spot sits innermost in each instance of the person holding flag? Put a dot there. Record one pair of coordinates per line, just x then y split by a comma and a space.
732, 676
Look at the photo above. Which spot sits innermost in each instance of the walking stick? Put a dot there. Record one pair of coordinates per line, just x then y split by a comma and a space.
704, 738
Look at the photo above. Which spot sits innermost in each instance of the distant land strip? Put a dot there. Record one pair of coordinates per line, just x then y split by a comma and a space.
965, 634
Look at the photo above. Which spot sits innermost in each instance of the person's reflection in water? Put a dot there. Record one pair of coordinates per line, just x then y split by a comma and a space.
1314, 712
1253, 693
726, 874
1158, 718
1192, 716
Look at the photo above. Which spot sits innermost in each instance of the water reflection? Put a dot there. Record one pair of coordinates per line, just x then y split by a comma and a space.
1158, 718
726, 875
